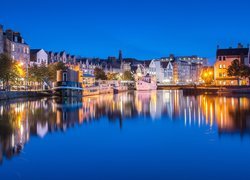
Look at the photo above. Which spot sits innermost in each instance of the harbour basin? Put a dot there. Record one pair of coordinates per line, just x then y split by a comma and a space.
131, 135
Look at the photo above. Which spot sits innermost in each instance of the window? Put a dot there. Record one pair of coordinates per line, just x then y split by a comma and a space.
64, 76
220, 74
224, 66
219, 58
220, 66
224, 58
13, 47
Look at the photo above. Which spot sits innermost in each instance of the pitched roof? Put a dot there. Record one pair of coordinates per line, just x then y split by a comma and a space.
164, 64
232, 52
34, 51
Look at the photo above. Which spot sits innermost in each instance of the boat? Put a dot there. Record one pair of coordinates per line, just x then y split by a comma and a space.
119, 87
146, 83
91, 91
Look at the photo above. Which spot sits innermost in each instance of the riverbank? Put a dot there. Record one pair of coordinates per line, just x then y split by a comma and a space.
5, 95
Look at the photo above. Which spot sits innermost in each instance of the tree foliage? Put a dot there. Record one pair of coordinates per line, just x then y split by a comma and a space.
99, 74
234, 69
8, 71
112, 76
53, 68
41, 73
127, 76
238, 70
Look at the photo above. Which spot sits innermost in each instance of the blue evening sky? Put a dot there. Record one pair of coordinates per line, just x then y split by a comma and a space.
143, 29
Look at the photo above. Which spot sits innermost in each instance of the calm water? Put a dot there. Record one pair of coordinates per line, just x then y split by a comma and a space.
134, 135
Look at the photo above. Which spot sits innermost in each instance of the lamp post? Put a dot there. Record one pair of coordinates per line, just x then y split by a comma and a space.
27, 73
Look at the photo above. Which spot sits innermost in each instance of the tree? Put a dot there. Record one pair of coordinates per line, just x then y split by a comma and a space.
238, 70
207, 76
53, 68
8, 71
99, 74
127, 76
112, 76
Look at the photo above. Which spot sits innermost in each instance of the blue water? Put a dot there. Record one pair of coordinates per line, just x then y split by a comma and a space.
133, 135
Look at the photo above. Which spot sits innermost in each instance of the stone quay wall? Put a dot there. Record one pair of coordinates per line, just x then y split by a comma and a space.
4, 95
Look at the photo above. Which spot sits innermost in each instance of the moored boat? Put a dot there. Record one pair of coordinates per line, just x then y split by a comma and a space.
146, 83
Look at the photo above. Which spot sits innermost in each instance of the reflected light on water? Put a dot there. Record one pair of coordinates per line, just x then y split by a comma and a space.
20, 120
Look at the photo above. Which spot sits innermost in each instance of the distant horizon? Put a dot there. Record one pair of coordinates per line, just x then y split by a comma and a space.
141, 29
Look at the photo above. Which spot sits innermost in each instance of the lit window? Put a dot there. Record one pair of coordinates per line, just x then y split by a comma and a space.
13, 47
224, 66
220, 66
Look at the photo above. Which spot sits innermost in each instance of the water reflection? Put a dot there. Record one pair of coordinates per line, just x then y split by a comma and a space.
20, 120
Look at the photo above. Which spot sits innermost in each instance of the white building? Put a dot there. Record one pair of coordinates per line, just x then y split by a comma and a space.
162, 70
38, 57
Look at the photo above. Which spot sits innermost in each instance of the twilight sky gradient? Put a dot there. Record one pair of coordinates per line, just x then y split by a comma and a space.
143, 29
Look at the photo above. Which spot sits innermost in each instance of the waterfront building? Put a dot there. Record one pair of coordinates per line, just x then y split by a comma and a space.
161, 70
13, 44
38, 57
68, 83
224, 58
181, 72
168, 72
125, 66
193, 59
88, 65
61, 57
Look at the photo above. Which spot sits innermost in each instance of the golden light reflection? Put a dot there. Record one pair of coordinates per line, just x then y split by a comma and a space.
22, 119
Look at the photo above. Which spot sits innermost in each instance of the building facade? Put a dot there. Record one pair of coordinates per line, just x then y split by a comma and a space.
38, 57
224, 58
62, 56
163, 71
13, 44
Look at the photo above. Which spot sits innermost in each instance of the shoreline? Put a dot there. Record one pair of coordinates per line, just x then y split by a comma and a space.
188, 90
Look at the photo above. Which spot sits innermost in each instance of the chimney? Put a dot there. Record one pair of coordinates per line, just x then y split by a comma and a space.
240, 45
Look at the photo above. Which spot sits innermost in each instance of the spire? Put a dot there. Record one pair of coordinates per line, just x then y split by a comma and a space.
120, 56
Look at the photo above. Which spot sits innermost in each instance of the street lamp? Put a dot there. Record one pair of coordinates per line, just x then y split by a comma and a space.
27, 73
